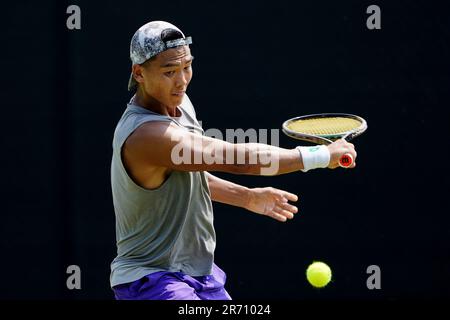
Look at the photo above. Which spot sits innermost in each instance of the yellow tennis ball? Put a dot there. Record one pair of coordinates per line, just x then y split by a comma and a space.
318, 274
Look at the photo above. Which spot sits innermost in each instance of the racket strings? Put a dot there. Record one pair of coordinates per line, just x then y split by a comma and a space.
324, 126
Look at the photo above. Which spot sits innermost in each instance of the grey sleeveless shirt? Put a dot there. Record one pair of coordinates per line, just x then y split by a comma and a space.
169, 228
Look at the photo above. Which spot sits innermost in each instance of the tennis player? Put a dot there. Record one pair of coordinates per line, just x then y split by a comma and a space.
163, 207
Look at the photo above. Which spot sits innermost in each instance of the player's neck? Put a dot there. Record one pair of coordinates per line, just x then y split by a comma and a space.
148, 102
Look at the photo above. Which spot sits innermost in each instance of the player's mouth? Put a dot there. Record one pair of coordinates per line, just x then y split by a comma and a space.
178, 93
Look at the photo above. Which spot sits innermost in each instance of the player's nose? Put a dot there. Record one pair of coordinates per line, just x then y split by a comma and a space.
181, 80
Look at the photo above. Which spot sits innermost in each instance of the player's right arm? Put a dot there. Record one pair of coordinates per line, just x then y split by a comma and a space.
164, 144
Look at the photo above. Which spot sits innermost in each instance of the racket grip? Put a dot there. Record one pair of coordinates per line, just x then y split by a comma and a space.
346, 160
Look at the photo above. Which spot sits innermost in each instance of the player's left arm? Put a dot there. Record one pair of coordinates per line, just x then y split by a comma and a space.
267, 201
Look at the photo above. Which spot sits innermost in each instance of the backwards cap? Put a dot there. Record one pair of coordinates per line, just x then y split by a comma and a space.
148, 41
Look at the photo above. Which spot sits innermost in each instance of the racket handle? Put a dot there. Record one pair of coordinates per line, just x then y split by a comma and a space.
346, 160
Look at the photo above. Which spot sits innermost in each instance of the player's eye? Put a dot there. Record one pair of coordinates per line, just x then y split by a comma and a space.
169, 73
187, 67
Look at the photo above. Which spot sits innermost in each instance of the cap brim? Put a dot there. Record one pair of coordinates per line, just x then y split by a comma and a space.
132, 83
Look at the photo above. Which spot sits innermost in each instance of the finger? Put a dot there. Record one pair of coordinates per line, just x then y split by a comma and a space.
283, 212
278, 217
290, 196
282, 199
289, 207
354, 155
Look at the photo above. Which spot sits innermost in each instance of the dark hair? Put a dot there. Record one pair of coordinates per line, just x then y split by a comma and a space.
170, 34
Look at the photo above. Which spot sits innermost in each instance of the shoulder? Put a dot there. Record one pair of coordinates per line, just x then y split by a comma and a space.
154, 132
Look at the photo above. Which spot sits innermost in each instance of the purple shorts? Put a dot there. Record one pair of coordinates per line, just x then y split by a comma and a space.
164, 285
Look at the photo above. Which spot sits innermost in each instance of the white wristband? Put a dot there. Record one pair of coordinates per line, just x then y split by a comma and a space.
314, 157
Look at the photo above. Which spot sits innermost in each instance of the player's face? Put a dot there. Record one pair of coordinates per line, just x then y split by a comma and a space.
168, 75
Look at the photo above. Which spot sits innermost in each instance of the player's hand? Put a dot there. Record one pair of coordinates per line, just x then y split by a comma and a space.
272, 202
338, 149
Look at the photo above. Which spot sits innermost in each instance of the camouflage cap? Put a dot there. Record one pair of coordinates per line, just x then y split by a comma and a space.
148, 41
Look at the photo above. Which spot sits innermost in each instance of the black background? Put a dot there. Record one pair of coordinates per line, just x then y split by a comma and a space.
256, 64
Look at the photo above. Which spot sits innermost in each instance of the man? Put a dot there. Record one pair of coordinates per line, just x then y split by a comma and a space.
164, 215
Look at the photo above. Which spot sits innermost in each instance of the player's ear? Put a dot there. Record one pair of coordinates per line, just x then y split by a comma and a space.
138, 73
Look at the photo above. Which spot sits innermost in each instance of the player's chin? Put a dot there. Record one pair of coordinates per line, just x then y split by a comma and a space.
177, 98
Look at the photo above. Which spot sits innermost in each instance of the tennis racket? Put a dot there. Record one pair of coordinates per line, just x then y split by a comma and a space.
325, 128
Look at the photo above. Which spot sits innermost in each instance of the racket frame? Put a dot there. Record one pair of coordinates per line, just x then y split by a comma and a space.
325, 139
